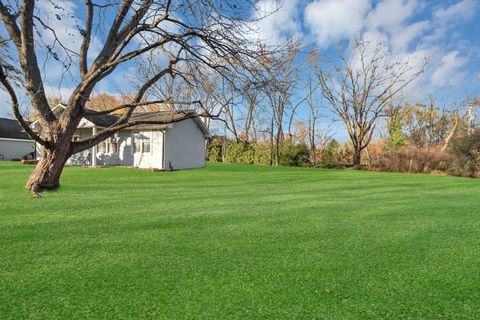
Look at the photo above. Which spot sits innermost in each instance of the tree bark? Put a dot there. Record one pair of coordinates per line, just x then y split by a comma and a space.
357, 159
450, 134
46, 174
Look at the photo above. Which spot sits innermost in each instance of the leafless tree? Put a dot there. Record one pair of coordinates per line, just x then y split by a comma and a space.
359, 87
252, 96
316, 136
429, 128
184, 32
281, 76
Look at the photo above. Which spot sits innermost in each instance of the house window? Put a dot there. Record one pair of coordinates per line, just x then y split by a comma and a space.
137, 142
112, 145
102, 147
109, 146
146, 145
141, 142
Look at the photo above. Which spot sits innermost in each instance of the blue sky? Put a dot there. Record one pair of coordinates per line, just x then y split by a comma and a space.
446, 32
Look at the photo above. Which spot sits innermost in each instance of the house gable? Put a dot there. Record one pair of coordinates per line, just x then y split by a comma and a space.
185, 146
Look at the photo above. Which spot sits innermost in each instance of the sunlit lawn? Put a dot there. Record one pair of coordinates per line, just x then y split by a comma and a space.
237, 242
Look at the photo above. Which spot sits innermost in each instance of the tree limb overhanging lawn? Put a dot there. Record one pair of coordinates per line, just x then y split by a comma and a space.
233, 241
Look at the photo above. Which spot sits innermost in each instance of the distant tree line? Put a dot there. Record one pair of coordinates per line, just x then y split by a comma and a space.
284, 115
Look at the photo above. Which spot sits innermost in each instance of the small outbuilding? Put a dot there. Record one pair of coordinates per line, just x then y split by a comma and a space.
174, 146
15, 144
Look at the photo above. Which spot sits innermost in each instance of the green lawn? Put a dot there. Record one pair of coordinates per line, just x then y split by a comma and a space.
237, 242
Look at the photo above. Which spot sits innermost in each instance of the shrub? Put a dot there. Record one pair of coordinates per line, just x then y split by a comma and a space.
214, 151
337, 155
294, 154
466, 153
262, 155
410, 158
239, 153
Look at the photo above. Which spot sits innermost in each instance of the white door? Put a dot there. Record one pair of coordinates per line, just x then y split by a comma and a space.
141, 149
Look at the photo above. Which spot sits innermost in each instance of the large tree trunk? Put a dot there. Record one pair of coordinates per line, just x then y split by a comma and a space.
49, 169
357, 159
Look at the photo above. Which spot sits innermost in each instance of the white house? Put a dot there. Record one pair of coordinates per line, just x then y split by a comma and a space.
174, 146
14, 142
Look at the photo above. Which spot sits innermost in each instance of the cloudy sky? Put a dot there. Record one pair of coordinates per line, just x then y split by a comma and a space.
446, 32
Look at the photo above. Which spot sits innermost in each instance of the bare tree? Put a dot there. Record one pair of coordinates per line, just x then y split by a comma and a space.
281, 75
359, 87
316, 136
428, 128
201, 32
252, 97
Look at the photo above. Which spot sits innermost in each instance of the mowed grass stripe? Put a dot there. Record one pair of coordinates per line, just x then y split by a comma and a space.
232, 241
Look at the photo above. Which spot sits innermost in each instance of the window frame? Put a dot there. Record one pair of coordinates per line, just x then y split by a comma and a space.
108, 146
98, 147
145, 136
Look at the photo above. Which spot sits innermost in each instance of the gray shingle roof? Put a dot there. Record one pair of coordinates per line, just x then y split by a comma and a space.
11, 129
101, 120
165, 117
161, 117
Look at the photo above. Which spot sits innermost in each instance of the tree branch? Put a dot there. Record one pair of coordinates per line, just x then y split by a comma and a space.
29, 64
9, 20
87, 33
16, 109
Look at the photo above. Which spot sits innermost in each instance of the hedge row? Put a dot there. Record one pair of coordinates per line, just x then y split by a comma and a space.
258, 154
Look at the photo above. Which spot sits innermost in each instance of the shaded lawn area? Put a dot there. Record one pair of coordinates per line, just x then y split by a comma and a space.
236, 242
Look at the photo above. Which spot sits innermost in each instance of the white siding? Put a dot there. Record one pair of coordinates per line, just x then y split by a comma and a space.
15, 149
184, 146
154, 158
124, 156
83, 158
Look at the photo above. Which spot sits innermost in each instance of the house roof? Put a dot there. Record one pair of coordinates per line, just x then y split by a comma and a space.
106, 120
101, 120
11, 129
167, 117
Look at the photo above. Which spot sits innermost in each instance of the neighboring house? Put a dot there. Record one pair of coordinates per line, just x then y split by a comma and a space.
15, 144
174, 146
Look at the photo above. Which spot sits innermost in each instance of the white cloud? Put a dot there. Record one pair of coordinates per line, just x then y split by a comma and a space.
57, 91
390, 14
332, 20
276, 19
403, 36
63, 30
463, 10
449, 70
62, 23
444, 18
397, 23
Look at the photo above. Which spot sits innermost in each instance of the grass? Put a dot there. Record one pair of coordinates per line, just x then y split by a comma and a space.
237, 242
